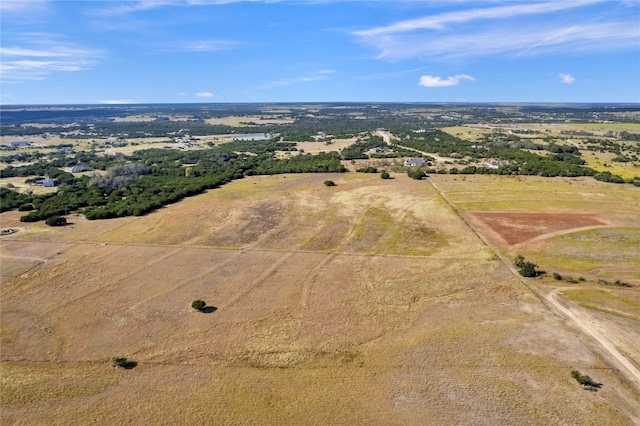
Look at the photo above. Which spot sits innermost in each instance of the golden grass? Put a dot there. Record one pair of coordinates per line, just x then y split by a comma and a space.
347, 305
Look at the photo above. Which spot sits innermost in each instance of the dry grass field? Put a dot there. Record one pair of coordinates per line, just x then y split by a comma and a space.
586, 232
371, 302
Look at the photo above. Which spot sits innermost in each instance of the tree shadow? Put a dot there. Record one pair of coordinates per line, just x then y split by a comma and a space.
124, 363
208, 309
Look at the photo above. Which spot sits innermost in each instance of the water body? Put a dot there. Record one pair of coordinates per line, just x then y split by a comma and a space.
252, 136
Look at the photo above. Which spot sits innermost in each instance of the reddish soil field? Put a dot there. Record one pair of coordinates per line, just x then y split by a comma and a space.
517, 227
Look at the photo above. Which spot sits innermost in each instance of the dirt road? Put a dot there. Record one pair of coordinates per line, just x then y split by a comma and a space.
578, 319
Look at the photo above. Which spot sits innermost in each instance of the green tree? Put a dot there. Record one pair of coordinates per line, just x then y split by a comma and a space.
385, 175
329, 183
198, 304
56, 221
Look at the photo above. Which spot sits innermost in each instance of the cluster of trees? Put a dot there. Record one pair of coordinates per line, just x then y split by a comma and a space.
527, 269
154, 178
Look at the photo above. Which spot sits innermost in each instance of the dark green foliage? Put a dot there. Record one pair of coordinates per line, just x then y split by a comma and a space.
416, 174
586, 381
56, 221
385, 175
329, 183
198, 304
557, 276
369, 169
527, 269
121, 362
608, 177
617, 283
10, 199
26, 207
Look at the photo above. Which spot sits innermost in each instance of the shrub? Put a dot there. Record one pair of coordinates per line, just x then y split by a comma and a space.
416, 174
385, 175
121, 362
56, 221
586, 381
557, 276
329, 183
198, 305
26, 207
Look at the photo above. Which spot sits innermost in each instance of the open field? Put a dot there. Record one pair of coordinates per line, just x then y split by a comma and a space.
366, 303
592, 247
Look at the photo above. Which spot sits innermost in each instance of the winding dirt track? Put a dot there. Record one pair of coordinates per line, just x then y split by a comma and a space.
578, 319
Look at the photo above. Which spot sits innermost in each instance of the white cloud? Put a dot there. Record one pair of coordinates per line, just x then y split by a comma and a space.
117, 101
182, 94
437, 22
20, 6
566, 78
315, 76
205, 94
435, 81
210, 45
475, 32
40, 55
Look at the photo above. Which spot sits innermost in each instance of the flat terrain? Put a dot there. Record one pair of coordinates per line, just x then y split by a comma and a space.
372, 302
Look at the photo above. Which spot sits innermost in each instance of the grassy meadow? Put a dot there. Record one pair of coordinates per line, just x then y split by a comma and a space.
371, 302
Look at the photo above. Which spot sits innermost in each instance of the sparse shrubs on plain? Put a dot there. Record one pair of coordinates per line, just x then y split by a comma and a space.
385, 175
329, 183
557, 276
617, 283
198, 304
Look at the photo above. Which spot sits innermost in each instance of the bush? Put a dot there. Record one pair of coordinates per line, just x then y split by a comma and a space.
385, 175
557, 276
56, 221
329, 183
586, 381
198, 305
121, 362
26, 207
416, 174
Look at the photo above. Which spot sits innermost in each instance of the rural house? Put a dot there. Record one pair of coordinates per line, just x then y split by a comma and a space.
415, 162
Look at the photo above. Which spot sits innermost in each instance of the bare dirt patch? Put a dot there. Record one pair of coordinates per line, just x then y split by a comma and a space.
516, 227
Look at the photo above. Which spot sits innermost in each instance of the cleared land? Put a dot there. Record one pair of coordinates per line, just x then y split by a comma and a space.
366, 303
594, 248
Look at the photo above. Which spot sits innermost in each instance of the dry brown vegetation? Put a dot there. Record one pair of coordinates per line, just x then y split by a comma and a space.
371, 302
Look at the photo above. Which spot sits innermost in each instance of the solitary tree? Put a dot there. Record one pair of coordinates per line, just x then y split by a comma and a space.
198, 305
56, 221
329, 183
385, 175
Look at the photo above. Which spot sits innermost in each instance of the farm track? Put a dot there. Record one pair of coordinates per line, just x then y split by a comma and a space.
578, 320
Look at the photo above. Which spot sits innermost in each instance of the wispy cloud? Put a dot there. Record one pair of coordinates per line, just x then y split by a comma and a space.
124, 7
40, 55
566, 78
205, 95
438, 22
474, 32
209, 45
315, 76
118, 101
20, 6
435, 81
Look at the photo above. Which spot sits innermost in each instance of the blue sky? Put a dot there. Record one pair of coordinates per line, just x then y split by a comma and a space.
164, 51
